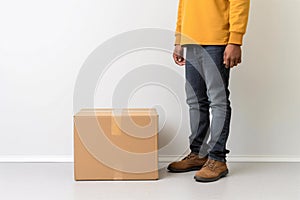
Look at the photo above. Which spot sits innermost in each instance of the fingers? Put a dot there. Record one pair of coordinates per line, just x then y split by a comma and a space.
239, 60
226, 61
179, 60
236, 61
232, 55
231, 61
178, 55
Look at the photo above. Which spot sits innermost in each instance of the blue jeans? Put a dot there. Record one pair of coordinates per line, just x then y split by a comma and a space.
206, 86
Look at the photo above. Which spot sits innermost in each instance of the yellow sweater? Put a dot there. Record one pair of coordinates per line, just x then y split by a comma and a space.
211, 22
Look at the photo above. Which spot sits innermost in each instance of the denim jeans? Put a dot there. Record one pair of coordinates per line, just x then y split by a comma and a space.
207, 81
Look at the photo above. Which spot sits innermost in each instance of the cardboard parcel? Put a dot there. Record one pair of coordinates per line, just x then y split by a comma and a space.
116, 144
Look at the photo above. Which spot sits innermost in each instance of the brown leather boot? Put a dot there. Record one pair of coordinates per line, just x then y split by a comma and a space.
212, 170
189, 163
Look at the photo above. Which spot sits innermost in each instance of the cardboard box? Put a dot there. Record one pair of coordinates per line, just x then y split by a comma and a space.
116, 144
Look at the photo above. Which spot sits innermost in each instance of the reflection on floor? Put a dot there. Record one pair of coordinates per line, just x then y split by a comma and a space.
253, 181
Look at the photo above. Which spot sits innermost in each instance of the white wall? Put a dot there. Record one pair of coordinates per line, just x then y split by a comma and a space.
43, 45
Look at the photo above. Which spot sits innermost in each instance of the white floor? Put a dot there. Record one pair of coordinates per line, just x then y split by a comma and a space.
253, 181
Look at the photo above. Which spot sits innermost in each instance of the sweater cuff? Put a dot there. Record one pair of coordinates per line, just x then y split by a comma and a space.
236, 38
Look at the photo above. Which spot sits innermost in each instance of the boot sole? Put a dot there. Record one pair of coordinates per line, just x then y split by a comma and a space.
200, 179
183, 170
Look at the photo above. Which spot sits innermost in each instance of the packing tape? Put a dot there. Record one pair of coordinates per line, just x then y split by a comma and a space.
115, 125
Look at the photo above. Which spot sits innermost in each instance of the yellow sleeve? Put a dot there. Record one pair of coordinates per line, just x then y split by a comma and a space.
178, 24
238, 19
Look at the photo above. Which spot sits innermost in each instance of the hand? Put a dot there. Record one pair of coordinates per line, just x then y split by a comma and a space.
178, 55
232, 55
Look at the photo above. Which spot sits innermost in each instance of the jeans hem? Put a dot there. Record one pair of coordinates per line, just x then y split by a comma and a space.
217, 158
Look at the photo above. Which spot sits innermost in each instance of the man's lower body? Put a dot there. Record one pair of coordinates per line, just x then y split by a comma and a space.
207, 82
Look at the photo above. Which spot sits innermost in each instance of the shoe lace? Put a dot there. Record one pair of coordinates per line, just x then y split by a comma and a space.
210, 164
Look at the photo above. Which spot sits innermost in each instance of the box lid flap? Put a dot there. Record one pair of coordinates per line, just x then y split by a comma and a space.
116, 111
